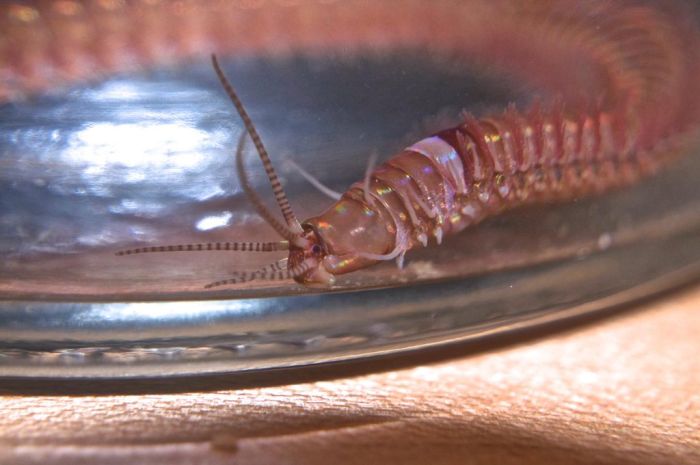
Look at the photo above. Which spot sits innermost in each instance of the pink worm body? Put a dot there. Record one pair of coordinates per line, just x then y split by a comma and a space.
454, 179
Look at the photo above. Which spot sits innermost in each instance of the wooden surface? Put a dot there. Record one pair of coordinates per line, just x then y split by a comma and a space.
622, 390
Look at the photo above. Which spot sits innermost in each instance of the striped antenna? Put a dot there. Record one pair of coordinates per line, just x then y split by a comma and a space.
255, 199
273, 272
300, 269
277, 271
211, 246
277, 189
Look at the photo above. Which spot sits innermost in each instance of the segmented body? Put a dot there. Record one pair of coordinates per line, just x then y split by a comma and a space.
457, 177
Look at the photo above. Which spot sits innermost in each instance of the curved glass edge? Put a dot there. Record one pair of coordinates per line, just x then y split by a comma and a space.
164, 339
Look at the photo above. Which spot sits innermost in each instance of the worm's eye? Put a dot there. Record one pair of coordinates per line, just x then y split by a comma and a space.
315, 249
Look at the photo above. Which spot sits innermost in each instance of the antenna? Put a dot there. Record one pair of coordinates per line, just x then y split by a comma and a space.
277, 189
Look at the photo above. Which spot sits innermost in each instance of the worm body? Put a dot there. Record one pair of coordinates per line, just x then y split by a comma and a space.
454, 179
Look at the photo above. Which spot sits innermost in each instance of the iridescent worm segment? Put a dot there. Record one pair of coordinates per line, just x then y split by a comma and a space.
622, 76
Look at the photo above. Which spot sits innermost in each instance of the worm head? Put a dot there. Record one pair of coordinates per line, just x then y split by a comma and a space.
306, 260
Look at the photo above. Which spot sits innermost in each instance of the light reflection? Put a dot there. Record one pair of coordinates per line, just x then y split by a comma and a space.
202, 192
214, 221
165, 145
141, 207
171, 311
119, 90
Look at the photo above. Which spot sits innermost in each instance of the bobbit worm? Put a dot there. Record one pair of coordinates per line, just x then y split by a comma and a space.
621, 81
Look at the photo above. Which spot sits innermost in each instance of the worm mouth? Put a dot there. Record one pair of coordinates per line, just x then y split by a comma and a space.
309, 260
